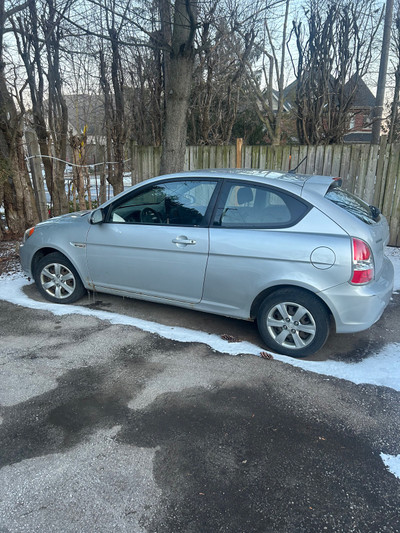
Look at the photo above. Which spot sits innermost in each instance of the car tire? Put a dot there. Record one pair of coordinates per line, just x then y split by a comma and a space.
57, 279
293, 322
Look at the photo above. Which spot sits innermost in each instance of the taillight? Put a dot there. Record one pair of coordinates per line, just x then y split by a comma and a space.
363, 264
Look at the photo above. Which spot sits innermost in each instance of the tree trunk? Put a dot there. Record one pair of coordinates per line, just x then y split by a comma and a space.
179, 68
54, 180
17, 193
36, 173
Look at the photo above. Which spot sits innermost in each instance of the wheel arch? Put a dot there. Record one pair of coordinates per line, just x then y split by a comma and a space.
270, 290
46, 250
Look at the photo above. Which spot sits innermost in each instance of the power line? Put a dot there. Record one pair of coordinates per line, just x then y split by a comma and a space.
75, 164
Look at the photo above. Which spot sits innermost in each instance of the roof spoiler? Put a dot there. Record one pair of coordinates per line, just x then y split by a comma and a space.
322, 184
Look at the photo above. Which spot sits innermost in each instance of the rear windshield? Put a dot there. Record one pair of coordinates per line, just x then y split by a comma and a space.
353, 205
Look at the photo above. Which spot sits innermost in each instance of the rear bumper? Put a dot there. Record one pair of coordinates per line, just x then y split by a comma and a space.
356, 308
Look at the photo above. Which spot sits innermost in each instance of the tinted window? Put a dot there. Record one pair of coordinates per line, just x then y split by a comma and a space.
180, 203
352, 204
257, 206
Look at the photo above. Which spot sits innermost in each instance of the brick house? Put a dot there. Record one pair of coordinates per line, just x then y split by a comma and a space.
360, 117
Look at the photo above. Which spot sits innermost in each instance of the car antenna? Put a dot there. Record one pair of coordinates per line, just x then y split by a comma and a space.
295, 169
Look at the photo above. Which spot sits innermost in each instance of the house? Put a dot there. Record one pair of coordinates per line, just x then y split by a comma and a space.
360, 117
360, 114
87, 111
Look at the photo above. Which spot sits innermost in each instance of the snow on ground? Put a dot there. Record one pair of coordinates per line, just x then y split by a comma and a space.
392, 463
382, 369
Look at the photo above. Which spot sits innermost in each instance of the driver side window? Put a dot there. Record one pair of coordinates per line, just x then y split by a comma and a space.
178, 203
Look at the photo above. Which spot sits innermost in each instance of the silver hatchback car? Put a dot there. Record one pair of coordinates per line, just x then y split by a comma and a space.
296, 253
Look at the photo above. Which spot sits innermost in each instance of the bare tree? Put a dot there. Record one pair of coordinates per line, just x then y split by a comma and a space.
161, 42
38, 36
218, 81
114, 100
145, 97
334, 49
16, 192
268, 82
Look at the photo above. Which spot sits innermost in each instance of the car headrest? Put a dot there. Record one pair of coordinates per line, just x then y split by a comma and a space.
244, 195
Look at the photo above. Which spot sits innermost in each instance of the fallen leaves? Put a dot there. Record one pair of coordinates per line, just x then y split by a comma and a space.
229, 338
266, 355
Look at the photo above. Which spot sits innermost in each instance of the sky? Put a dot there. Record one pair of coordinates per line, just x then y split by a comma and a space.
381, 369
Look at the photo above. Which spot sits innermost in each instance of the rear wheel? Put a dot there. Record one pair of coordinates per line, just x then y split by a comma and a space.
293, 322
57, 279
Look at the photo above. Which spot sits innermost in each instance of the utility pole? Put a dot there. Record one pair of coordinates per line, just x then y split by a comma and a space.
380, 93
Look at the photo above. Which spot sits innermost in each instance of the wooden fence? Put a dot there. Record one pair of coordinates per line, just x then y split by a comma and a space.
371, 172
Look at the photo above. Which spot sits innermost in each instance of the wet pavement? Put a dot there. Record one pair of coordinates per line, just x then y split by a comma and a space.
107, 428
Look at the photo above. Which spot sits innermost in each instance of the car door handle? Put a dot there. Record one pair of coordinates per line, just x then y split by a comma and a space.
183, 240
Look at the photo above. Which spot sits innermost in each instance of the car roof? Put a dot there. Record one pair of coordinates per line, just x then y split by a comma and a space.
286, 180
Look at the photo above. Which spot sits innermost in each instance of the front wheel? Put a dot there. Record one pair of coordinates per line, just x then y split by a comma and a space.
57, 279
293, 322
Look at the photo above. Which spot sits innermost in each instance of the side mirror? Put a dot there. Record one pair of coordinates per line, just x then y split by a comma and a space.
97, 216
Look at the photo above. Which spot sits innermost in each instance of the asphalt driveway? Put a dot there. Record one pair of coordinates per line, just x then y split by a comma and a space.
107, 428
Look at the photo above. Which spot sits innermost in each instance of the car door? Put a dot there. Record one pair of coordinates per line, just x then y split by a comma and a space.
251, 244
154, 241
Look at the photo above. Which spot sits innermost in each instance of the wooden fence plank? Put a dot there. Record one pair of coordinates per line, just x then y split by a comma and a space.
247, 156
345, 162
319, 160
353, 168
327, 169
255, 157
212, 157
303, 156
219, 152
391, 181
269, 158
232, 157
388, 157
310, 161
369, 185
294, 152
338, 150
362, 170
206, 157
380, 170
263, 157
285, 157
277, 157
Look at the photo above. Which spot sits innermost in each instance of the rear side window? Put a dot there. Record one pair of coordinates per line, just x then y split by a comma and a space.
253, 206
353, 205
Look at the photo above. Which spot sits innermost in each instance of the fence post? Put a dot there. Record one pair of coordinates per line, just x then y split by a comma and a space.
239, 146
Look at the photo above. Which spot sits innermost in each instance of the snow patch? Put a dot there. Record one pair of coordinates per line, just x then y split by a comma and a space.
392, 463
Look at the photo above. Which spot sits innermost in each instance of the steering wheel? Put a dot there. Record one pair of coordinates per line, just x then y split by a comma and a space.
150, 216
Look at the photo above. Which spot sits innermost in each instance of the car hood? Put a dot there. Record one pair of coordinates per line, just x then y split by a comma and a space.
68, 217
